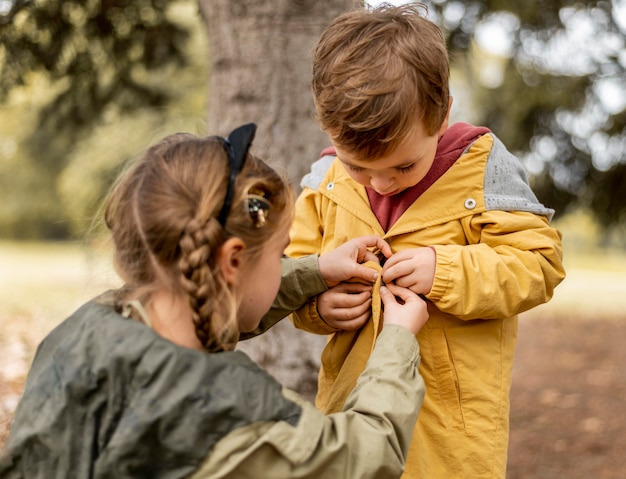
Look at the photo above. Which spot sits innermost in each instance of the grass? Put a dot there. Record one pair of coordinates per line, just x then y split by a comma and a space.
43, 282
595, 286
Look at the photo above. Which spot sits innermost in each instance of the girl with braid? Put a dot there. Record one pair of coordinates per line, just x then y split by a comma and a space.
145, 381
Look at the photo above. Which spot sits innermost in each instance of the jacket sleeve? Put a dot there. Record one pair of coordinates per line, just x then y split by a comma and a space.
370, 438
512, 264
306, 239
306, 231
300, 280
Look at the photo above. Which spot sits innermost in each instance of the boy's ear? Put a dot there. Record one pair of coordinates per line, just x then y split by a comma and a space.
444, 125
230, 260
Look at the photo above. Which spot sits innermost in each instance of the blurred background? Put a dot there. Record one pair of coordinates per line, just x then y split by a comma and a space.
86, 85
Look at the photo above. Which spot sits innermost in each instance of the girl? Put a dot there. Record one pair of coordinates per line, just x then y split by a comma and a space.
144, 381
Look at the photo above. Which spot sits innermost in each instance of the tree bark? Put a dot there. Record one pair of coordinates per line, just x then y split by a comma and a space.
260, 61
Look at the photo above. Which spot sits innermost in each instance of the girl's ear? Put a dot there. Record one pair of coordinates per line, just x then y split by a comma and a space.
230, 260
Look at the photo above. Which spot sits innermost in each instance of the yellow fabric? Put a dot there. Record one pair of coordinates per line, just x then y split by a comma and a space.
491, 266
346, 355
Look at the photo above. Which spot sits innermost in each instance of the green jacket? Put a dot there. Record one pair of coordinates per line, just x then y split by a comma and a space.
497, 256
107, 397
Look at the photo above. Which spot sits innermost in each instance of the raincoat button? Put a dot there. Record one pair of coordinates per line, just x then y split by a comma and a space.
470, 203
330, 186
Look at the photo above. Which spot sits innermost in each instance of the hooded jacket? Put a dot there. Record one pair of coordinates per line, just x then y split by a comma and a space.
496, 256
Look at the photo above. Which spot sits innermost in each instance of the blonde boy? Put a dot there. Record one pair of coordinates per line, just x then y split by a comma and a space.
467, 232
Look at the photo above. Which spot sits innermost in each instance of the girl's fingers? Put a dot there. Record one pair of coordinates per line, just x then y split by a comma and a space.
353, 287
405, 294
353, 303
370, 256
384, 247
364, 273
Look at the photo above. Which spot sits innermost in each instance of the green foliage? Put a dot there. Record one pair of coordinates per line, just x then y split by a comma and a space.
104, 51
85, 86
28, 209
550, 108
97, 160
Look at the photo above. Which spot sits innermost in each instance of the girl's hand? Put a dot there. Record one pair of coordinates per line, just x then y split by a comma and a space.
403, 307
346, 306
344, 263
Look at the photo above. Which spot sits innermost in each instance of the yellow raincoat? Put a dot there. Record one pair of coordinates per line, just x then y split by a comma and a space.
497, 256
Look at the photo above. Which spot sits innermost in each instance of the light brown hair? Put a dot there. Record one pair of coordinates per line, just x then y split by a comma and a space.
162, 215
376, 73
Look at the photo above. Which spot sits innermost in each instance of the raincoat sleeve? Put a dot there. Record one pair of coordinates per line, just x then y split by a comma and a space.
306, 239
512, 264
300, 280
369, 439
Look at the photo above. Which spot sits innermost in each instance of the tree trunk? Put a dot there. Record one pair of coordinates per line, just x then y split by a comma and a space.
260, 60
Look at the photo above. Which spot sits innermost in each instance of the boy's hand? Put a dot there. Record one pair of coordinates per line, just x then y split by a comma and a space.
346, 306
411, 268
409, 312
344, 262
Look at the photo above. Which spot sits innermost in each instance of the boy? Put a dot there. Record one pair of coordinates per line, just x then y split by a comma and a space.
467, 232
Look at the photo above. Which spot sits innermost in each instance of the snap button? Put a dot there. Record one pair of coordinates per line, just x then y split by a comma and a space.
470, 203
330, 186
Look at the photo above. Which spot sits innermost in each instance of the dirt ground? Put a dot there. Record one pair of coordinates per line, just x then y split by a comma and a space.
568, 401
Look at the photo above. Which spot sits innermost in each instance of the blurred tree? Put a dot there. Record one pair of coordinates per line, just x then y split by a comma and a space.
93, 58
98, 53
260, 56
560, 103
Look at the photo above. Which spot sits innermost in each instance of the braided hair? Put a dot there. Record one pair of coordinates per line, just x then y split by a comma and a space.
162, 215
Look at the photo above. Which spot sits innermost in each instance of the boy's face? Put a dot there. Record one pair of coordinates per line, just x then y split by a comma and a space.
401, 169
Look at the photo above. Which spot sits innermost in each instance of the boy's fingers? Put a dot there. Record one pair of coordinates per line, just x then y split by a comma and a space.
351, 324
